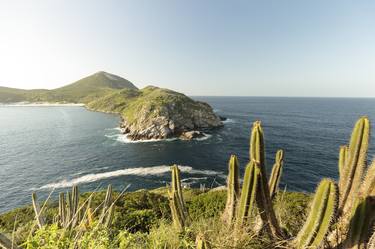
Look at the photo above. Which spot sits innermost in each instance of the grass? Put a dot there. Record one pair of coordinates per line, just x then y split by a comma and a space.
142, 220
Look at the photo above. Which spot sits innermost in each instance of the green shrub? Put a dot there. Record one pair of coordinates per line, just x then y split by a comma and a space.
206, 205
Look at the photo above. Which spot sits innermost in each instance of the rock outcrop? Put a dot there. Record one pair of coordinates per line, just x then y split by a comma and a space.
169, 114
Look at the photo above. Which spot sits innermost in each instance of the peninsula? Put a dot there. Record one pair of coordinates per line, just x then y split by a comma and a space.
148, 113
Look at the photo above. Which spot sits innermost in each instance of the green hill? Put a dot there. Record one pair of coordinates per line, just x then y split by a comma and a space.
81, 91
149, 113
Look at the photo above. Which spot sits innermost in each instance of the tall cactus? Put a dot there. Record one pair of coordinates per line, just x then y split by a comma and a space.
247, 201
233, 190
176, 201
276, 173
107, 204
355, 164
361, 224
74, 208
62, 209
322, 213
257, 154
37, 211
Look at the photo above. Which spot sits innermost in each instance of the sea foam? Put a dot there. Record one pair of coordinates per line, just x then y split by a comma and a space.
140, 171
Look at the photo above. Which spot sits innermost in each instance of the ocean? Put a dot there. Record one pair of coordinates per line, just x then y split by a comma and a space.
52, 148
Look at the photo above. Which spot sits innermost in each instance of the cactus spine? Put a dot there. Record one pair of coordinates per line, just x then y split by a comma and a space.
354, 164
257, 154
38, 215
179, 212
249, 190
276, 173
233, 189
322, 213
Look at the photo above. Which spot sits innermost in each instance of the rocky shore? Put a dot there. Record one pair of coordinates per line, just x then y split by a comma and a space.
185, 119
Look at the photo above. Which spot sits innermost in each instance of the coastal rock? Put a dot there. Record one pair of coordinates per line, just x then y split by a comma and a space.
162, 113
189, 135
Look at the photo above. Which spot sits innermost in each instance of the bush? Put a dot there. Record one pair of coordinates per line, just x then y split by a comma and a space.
206, 205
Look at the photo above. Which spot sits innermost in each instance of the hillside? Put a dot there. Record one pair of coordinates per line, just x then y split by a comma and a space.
81, 91
158, 113
149, 113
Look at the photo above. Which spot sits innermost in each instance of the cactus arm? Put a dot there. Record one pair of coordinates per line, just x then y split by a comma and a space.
62, 209
179, 212
276, 173
343, 156
265, 207
356, 163
361, 223
109, 217
248, 194
38, 217
75, 201
233, 188
322, 213
368, 184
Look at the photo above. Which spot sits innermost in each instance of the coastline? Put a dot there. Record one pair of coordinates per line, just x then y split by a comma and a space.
41, 104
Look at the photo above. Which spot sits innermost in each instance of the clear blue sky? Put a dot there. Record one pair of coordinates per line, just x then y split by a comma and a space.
253, 48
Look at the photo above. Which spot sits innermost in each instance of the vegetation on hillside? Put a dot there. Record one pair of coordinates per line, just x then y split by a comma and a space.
81, 91
254, 214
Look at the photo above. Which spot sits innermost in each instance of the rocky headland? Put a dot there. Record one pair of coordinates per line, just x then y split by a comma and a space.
148, 113
157, 113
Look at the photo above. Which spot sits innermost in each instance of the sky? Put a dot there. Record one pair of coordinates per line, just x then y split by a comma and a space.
198, 47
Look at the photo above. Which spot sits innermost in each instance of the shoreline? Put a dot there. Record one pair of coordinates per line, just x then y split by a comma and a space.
41, 104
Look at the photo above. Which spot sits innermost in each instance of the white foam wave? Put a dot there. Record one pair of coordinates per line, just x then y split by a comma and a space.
123, 138
205, 137
141, 171
228, 120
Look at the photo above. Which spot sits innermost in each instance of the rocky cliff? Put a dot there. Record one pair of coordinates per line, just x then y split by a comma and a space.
156, 113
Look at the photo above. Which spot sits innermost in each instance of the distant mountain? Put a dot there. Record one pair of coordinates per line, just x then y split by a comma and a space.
81, 91
92, 87
149, 113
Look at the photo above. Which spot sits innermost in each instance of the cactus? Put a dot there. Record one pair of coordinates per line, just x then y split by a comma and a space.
276, 173
264, 203
233, 189
201, 242
38, 215
62, 209
249, 190
322, 213
109, 216
74, 208
355, 163
176, 202
368, 183
7, 243
361, 223
108, 208
343, 158
106, 204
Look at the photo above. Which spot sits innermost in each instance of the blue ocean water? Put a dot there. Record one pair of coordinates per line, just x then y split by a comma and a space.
45, 148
